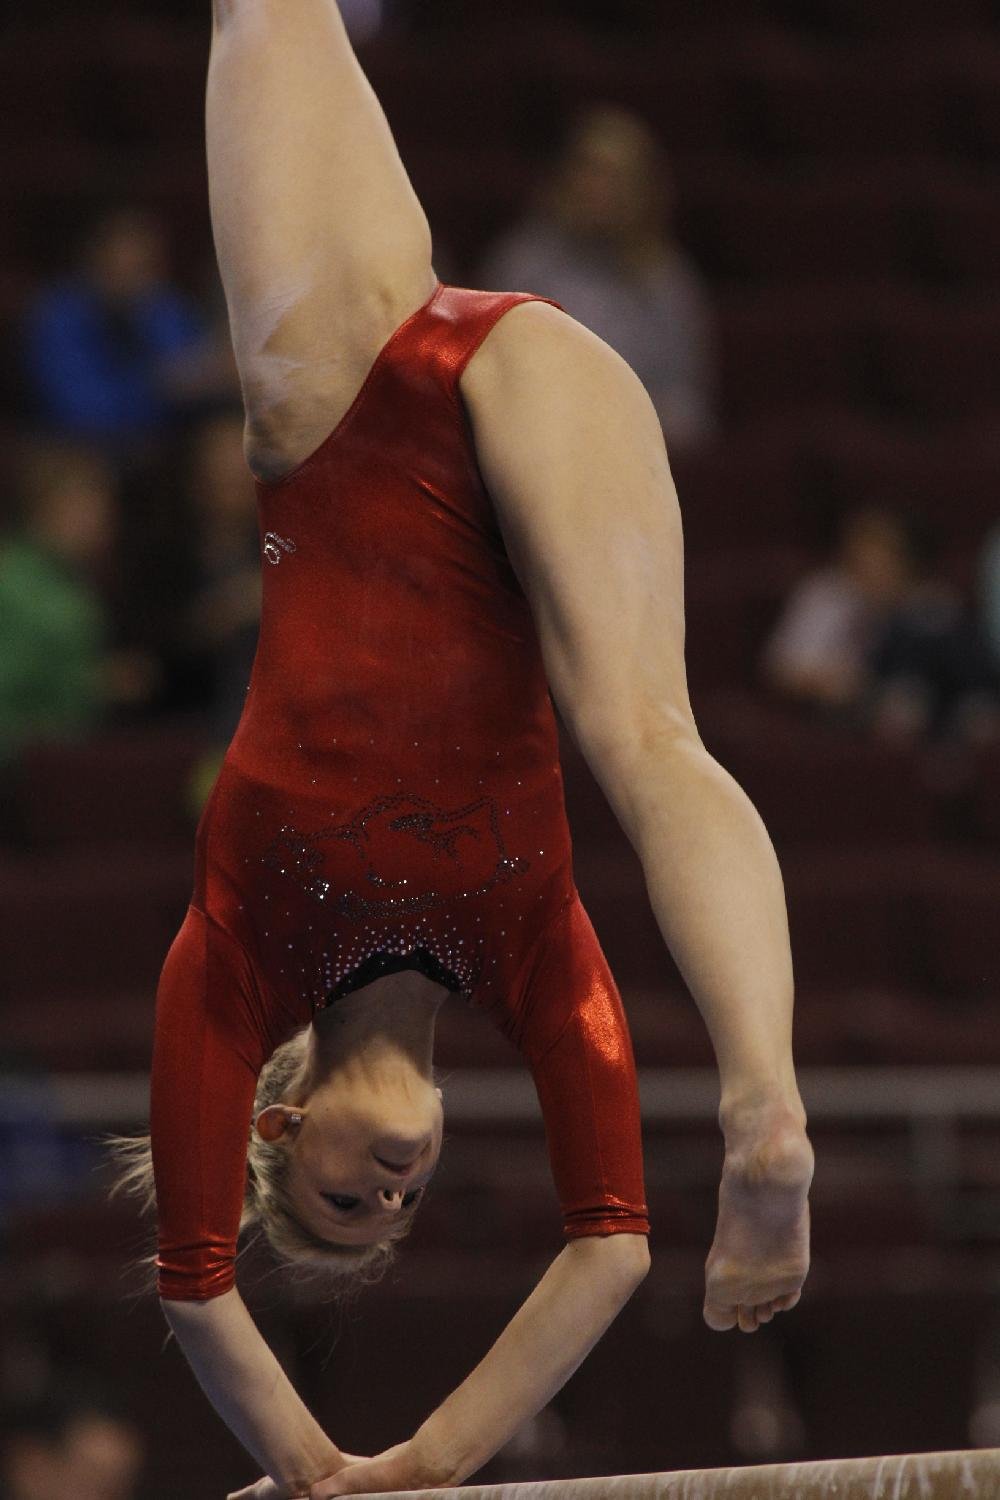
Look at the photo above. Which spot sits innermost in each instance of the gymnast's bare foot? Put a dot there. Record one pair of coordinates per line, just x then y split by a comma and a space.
760, 1254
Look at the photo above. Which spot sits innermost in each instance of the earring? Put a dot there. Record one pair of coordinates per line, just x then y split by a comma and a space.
296, 1119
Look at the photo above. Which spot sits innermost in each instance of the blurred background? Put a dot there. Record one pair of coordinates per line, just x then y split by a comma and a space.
786, 216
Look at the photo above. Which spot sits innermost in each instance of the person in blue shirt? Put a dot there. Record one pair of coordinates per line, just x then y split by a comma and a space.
114, 352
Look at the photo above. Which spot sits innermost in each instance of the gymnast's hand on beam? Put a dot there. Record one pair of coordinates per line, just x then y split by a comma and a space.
407, 1466
266, 1489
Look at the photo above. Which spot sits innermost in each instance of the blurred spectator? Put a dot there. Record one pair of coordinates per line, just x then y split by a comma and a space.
879, 638
57, 671
989, 582
39, 1162
218, 619
820, 651
221, 618
115, 351
597, 238
65, 1443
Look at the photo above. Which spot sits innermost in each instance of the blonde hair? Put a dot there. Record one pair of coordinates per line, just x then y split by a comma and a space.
332, 1269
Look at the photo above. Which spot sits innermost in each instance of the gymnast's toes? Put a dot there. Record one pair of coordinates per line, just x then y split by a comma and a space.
748, 1317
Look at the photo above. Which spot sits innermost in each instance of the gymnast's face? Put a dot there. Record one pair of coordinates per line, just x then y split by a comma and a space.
365, 1143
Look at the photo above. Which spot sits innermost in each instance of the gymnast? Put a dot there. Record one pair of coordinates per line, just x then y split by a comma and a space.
465, 502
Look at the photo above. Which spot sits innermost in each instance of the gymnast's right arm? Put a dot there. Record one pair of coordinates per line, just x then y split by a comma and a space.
207, 1053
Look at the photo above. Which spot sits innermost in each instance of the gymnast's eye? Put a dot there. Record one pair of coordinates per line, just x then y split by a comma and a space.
342, 1200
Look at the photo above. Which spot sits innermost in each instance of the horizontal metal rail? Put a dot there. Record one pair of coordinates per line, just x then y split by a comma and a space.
507, 1096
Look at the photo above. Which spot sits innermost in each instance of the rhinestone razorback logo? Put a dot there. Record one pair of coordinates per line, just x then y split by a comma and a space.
275, 545
375, 844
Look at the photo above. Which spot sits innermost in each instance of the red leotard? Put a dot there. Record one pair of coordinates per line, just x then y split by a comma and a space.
392, 799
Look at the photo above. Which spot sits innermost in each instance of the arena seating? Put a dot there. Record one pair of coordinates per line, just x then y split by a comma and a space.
842, 207
834, 164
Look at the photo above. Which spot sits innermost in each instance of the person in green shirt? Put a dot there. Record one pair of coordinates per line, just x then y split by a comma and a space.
53, 620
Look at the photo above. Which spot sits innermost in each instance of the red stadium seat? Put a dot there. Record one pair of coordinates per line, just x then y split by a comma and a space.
679, 91
147, 84
70, 1029
936, 357
470, 195
848, 917
987, 796
81, 922
122, 787
899, 20
613, 890
970, 86
777, 225
451, 91
947, 474
743, 490
892, 1025
814, 101
793, 349
953, 220
814, 784
957, 901
28, 61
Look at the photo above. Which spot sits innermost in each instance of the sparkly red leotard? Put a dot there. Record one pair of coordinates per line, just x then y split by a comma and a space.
391, 799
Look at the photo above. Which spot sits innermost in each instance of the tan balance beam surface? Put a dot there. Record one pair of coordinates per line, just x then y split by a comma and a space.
905, 1476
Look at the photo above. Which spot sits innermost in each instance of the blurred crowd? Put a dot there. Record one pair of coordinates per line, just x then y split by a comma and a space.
129, 567
129, 579
879, 639
130, 594
70, 1439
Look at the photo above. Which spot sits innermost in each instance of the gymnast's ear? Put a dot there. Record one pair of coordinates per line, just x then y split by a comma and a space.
277, 1120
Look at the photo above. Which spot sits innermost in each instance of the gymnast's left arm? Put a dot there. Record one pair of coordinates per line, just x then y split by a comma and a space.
576, 1300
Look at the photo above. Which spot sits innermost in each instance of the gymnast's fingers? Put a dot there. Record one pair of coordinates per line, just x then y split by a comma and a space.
392, 1470
765, 1312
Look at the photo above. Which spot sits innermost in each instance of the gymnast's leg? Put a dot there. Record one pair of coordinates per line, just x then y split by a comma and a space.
322, 244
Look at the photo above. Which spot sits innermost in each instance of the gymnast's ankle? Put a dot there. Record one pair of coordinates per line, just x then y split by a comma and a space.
759, 1110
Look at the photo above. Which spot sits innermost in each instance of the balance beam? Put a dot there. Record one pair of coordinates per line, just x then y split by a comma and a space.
973, 1475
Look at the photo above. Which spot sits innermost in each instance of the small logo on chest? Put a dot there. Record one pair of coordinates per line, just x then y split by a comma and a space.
275, 546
